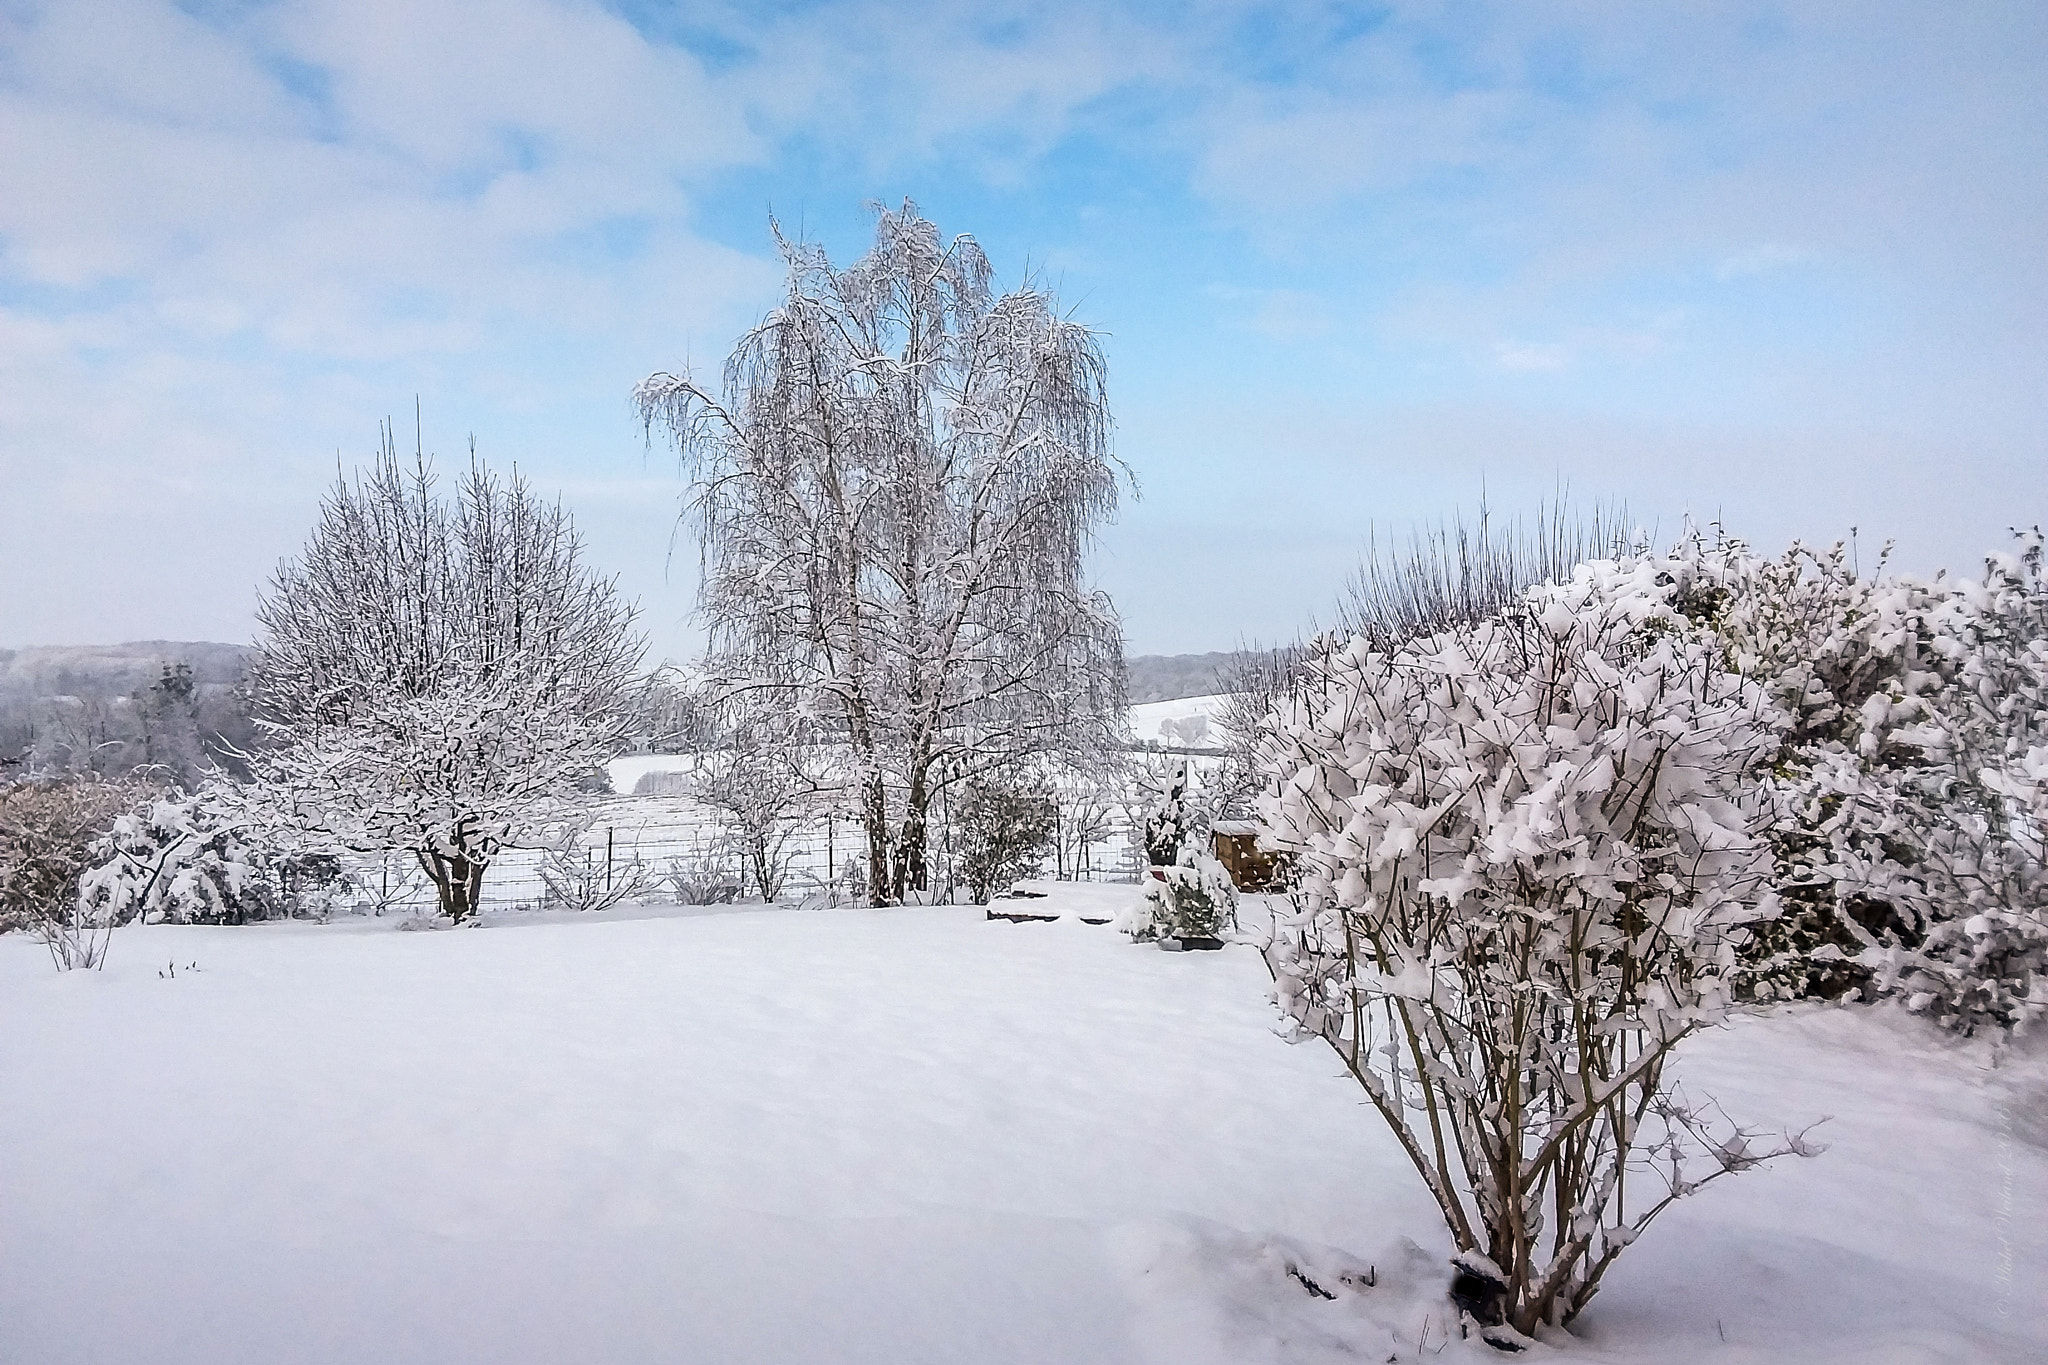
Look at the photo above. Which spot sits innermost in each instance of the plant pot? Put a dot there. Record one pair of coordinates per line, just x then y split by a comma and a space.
1190, 945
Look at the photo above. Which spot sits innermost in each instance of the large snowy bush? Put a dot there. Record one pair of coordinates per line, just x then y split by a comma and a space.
1909, 801
182, 861
1528, 858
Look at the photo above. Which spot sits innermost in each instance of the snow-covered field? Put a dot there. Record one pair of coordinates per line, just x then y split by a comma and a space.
1189, 721
890, 1136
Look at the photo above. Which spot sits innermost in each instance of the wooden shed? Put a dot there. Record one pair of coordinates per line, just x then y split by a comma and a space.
1250, 866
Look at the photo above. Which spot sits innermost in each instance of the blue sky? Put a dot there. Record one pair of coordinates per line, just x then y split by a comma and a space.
1786, 265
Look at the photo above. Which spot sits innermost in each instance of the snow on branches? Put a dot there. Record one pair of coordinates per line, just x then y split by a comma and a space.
180, 860
439, 676
1189, 900
1528, 856
1169, 821
894, 492
1910, 805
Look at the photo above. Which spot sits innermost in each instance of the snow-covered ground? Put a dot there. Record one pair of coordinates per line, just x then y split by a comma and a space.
890, 1136
1185, 721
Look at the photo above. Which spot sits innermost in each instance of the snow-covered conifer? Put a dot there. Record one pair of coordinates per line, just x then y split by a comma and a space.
1193, 898
1169, 820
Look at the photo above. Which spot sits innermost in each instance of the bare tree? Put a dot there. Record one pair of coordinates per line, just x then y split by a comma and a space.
439, 675
1253, 683
762, 776
894, 491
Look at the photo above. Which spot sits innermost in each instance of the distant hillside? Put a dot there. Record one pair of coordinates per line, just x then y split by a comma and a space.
1169, 677
113, 670
118, 670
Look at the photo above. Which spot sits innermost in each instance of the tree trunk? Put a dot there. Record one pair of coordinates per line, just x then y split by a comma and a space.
912, 873
458, 883
762, 856
875, 815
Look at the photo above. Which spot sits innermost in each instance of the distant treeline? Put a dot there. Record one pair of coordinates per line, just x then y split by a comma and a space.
175, 707
1169, 677
112, 708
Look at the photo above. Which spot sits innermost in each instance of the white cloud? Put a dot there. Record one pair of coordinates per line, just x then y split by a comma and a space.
228, 244
1522, 355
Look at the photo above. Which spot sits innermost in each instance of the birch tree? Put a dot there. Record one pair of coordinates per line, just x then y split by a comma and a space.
438, 674
895, 487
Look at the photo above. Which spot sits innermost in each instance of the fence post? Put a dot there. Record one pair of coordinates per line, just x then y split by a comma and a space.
607, 859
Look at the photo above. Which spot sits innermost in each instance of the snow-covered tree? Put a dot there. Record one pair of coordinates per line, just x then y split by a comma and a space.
439, 676
894, 488
1528, 860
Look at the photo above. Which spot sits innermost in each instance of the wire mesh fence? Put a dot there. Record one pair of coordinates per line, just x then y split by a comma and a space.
681, 850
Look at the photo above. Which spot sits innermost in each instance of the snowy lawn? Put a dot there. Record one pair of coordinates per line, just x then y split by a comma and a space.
890, 1136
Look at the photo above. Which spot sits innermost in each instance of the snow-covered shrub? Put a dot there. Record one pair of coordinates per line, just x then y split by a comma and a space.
1527, 863
1193, 898
312, 884
761, 779
181, 861
1908, 826
1169, 819
702, 876
1003, 835
580, 877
